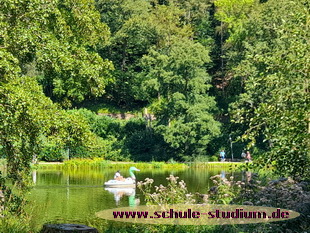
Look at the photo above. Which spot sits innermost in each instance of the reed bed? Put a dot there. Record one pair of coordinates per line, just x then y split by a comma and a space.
99, 164
211, 165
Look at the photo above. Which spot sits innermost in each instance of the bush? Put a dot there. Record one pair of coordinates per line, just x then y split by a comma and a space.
213, 158
103, 126
142, 143
13, 224
174, 193
201, 159
281, 193
52, 153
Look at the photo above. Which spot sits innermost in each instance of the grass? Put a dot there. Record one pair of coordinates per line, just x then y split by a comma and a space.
225, 165
48, 166
123, 227
100, 163
24, 223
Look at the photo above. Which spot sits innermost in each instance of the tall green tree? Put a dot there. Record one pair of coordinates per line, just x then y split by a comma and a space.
138, 26
275, 71
26, 116
231, 16
176, 77
54, 43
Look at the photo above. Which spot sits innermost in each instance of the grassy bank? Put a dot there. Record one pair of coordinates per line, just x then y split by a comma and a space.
224, 165
100, 163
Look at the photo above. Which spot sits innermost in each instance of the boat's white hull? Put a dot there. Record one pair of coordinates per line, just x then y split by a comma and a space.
122, 190
128, 183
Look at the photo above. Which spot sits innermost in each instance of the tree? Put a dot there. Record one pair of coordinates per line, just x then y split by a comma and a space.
59, 39
53, 41
136, 29
177, 78
275, 105
27, 117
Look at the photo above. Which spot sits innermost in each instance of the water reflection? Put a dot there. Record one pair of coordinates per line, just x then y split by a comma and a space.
74, 194
223, 174
120, 192
34, 176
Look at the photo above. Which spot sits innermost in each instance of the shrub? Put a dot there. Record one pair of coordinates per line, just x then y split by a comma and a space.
52, 153
201, 158
213, 158
13, 224
174, 193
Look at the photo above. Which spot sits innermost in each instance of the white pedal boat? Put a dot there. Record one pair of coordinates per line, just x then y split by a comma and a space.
129, 182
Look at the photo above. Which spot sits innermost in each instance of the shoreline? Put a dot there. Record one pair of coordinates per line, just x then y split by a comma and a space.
96, 163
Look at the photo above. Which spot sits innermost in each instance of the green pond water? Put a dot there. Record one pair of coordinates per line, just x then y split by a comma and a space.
74, 196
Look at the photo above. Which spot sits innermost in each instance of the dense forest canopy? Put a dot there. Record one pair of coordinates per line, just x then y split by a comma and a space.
202, 71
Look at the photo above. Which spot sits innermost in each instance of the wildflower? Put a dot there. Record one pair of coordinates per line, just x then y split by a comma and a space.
205, 198
148, 181
182, 184
172, 179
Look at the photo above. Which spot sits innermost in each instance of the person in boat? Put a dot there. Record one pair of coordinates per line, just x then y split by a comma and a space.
118, 176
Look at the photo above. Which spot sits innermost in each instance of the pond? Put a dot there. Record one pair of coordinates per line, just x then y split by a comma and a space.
74, 196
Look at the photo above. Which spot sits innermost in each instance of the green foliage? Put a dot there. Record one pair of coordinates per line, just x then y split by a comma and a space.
138, 26
156, 38
217, 165
13, 224
58, 40
256, 53
233, 12
225, 192
115, 12
73, 164
98, 163
205, 159
51, 152
174, 193
176, 75
26, 114
213, 158
200, 159
103, 106
123, 140
36, 43
11, 203
71, 137
143, 143
275, 105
